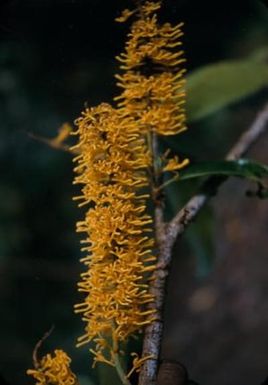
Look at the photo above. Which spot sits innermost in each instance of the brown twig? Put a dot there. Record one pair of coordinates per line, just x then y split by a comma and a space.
166, 235
38, 346
153, 332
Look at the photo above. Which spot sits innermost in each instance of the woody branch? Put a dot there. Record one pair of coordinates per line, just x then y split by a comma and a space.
187, 214
166, 236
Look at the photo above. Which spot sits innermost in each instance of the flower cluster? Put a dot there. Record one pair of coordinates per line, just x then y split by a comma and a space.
111, 166
54, 370
153, 82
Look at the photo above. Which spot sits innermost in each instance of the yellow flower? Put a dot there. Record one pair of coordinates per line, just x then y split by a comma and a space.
174, 164
149, 7
54, 370
112, 168
124, 16
153, 80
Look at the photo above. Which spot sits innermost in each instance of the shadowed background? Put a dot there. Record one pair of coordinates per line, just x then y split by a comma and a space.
55, 56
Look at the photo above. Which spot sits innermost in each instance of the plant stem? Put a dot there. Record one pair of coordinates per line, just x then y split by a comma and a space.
120, 371
153, 331
118, 366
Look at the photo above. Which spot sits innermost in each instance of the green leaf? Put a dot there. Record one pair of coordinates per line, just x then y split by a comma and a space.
243, 168
217, 85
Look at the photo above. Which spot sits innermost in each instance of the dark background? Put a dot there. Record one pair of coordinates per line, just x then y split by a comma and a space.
55, 56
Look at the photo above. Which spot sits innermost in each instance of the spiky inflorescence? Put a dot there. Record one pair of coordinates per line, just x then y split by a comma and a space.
111, 166
54, 370
152, 79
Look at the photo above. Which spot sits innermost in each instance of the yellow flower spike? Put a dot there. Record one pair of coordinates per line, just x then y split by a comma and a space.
112, 168
153, 77
54, 370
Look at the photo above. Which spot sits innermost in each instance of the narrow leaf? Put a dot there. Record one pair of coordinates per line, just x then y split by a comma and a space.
243, 168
